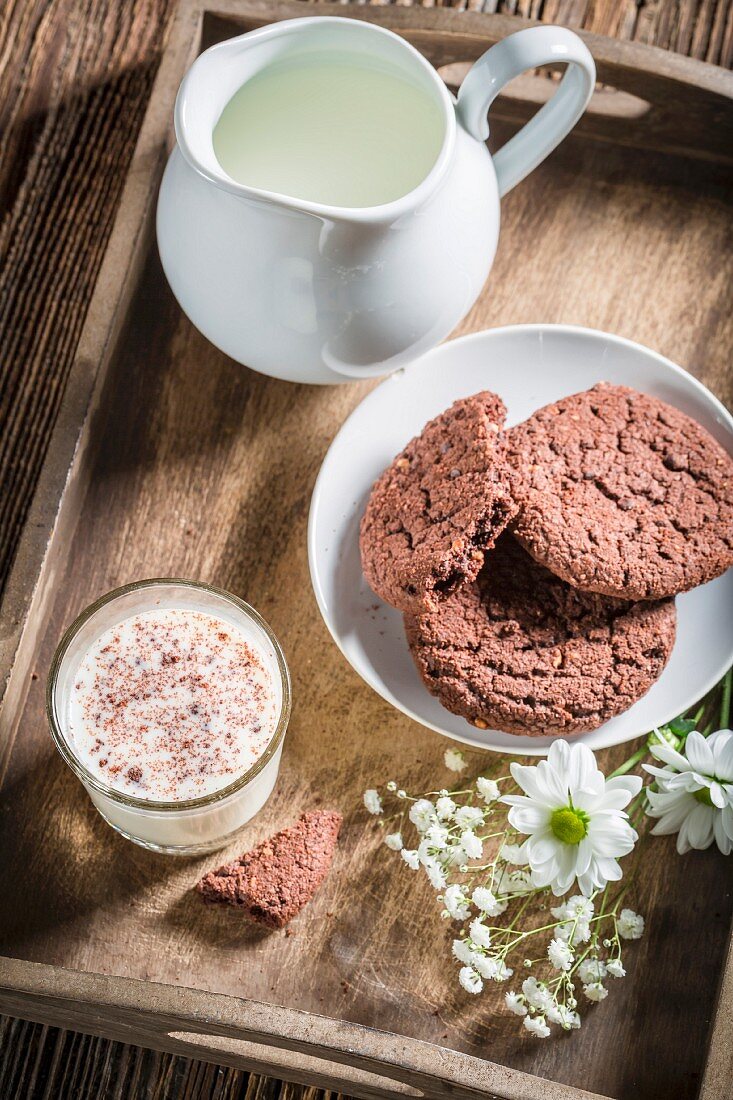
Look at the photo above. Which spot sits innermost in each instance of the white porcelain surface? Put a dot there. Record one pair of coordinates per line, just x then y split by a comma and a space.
313, 293
529, 366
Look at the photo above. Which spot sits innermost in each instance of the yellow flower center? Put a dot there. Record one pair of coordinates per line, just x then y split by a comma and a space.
569, 824
703, 795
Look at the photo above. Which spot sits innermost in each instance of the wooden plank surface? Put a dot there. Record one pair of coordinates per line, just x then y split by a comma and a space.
76, 79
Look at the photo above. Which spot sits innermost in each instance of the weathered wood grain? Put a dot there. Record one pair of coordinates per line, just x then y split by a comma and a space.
205, 475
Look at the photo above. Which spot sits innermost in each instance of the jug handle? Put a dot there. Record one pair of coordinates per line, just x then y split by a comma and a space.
528, 49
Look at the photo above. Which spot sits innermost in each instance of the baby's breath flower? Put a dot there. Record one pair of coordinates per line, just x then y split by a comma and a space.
512, 853
401, 793
537, 994
462, 951
564, 1016
536, 1026
470, 980
411, 858
595, 991
574, 908
467, 817
438, 836
487, 902
445, 807
471, 844
503, 972
487, 788
455, 761
592, 970
515, 1003
453, 855
479, 933
615, 968
394, 841
560, 955
630, 925
436, 874
372, 801
516, 882
422, 814
456, 902
574, 932
391, 786
486, 965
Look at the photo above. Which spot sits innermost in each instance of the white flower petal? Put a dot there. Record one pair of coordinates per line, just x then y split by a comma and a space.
721, 743
699, 753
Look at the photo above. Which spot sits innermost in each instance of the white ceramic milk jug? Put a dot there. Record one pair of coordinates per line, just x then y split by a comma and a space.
319, 293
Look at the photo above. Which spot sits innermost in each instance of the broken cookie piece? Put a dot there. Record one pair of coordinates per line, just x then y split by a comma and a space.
273, 882
439, 507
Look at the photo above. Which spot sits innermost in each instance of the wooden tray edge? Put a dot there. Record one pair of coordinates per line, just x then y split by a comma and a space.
50, 522
268, 1038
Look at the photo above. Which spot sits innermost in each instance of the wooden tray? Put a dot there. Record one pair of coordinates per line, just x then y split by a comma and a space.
168, 458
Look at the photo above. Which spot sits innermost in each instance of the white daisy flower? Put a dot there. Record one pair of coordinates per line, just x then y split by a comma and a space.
373, 802
479, 933
471, 844
595, 991
468, 817
394, 841
422, 814
559, 954
487, 902
462, 951
574, 819
456, 902
470, 980
695, 796
615, 968
515, 1004
411, 858
536, 1026
445, 807
454, 760
630, 926
487, 788
592, 970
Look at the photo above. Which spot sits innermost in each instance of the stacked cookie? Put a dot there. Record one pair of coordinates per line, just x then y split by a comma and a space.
537, 567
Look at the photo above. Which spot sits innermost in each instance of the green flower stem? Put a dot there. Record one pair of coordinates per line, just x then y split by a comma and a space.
631, 762
725, 701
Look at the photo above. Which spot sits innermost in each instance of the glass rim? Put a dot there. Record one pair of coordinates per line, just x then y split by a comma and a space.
91, 781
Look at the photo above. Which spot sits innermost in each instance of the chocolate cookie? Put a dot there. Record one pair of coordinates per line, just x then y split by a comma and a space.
439, 506
522, 651
276, 879
622, 494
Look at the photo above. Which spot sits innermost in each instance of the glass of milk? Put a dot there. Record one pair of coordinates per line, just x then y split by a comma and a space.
170, 699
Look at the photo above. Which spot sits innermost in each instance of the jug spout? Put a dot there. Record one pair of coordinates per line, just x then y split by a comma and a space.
218, 74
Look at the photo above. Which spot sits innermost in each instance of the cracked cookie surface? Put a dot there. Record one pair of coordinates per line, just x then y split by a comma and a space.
439, 506
622, 494
521, 651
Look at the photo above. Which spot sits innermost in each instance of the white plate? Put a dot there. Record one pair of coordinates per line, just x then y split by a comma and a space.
528, 366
